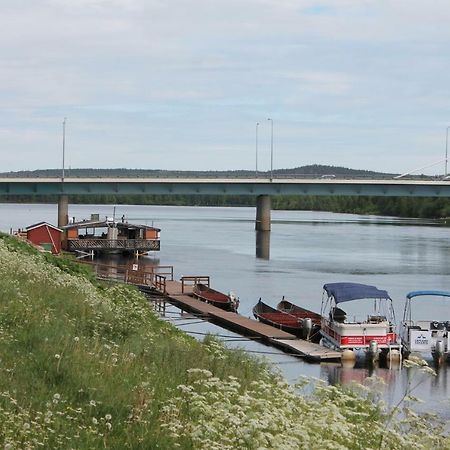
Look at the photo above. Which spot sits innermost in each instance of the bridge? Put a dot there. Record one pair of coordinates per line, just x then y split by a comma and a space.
261, 188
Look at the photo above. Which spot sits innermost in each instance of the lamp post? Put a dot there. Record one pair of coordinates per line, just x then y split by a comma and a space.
271, 149
63, 147
446, 152
256, 167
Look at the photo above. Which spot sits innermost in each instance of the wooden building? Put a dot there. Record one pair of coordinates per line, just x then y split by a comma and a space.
46, 235
110, 236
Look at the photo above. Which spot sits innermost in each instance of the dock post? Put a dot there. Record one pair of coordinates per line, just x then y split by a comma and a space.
262, 213
63, 210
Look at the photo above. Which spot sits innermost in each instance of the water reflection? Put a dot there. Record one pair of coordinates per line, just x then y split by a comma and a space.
336, 374
263, 244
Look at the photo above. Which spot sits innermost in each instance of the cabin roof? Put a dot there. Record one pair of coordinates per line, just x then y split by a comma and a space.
107, 223
41, 224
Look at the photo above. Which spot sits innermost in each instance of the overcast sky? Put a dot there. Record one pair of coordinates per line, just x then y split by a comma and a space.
176, 84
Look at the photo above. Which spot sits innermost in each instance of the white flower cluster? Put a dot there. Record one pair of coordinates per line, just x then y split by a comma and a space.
210, 413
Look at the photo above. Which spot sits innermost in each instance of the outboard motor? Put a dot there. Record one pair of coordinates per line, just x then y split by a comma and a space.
373, 351
307, 328
234, 301
439, 351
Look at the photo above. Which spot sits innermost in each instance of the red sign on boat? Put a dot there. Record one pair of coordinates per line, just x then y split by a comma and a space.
365, 340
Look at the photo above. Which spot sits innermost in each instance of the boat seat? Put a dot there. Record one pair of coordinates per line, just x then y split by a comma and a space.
377, 319
436, 325
338, 315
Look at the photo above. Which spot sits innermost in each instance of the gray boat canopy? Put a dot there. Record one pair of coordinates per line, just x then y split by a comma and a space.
344, 292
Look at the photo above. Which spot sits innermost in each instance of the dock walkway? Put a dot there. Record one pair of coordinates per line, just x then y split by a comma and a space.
158, 282
178, 295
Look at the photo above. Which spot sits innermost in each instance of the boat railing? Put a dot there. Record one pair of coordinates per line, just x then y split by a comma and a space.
193, 280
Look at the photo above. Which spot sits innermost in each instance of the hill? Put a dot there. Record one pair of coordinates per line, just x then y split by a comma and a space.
311, 170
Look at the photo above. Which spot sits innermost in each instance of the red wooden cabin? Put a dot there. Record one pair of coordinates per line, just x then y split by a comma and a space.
46, 235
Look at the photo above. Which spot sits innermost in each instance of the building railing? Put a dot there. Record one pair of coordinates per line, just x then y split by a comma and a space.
114, 244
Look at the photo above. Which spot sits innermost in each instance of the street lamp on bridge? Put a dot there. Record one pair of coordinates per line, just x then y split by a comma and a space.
446, 152
271, 149
256, 168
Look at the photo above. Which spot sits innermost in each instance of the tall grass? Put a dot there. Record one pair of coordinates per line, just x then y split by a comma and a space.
89, 366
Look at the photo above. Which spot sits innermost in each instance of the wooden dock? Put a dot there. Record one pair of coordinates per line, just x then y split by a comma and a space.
158, 281
178, 295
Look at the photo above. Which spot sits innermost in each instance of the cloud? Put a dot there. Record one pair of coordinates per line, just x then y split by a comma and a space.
164, 80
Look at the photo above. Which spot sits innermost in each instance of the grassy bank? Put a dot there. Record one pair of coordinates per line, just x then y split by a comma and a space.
86, 366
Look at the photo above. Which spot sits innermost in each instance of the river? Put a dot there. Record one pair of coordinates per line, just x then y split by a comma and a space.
308, 249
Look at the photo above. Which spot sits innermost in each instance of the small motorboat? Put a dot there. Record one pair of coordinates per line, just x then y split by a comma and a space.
373, 332
205, 293
426, 336
309, 319
278, 319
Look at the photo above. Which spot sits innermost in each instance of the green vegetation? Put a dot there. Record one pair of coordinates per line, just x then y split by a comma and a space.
427, 208
90, 366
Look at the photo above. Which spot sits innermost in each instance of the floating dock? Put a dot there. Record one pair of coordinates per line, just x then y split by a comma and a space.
178, 294
158, 282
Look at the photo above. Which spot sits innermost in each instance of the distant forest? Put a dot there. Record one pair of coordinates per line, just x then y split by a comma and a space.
311, 170
433, 208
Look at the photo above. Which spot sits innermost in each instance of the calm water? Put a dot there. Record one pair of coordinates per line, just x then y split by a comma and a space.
308, 249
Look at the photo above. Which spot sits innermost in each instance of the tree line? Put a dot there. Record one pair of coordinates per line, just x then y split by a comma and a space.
429, 208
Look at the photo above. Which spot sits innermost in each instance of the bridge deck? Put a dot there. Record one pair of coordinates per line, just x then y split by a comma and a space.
226, 186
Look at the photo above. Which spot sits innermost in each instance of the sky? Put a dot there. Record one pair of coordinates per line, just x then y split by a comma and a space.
178, 84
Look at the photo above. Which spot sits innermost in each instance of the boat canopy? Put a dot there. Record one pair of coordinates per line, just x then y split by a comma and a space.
344, 292
435, 293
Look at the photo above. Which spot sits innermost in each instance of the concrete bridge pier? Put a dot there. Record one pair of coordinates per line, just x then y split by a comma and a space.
262, 213
263, 244
63, 210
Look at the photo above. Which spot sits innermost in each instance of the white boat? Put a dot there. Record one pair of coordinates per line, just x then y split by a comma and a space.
426, 336
372, 332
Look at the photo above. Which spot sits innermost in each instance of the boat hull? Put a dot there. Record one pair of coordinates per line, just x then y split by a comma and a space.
358, 335
424, 338
301, 314
278, 319
215, 298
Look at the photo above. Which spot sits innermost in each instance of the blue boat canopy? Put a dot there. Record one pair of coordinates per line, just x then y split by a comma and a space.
344, 292
435, 293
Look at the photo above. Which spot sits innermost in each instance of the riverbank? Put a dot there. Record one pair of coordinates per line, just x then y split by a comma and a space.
87, 365
415, 207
